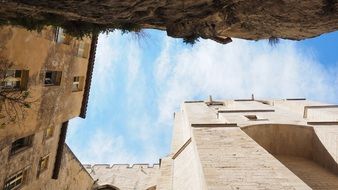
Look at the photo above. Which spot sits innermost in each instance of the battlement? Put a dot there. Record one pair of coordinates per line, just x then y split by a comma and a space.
121, 166
123, 176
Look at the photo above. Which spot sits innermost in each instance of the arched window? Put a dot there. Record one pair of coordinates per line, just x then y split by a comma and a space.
107, 187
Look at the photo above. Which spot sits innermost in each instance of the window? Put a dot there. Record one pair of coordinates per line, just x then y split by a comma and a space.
14, 80
21, 144
83, 49
53, 78
107, 187
61, 37
251, 117
77, 84
255, 118
214, 103
80, 51
49, 132
43, 164
16, 180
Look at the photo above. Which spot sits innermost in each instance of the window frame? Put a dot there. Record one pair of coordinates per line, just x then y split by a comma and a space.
48, 133
17, 78
60, 37
20, 176
46, 166
17, 146
54, 78
253, 117
81, 49
77, 84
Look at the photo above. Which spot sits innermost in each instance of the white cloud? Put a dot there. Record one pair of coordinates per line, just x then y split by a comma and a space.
75, 126
106, 148
162, 62
241, 68
228, 71
104, 68
106, 54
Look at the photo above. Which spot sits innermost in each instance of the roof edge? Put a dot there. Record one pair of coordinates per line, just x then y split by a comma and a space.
89, 75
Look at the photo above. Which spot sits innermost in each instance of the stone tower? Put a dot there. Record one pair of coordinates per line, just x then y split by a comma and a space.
240, 144
231, 144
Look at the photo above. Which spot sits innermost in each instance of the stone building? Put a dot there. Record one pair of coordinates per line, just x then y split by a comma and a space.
53, 71
228, 144
241, 144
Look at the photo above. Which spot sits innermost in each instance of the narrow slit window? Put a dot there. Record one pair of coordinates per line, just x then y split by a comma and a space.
77, 83
43, 165
49, 132
61, 36
252, 117
255, 118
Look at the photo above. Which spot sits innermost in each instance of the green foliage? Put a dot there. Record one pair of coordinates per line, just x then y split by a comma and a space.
28, 23
25, 94
191, 39
129, 27
3, 22
75, 28
27, 105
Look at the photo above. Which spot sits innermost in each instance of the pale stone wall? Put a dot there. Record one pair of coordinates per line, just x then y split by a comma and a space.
328, 136
279, 139
231, 159
165, 180
187, 170
125, 177
311, 173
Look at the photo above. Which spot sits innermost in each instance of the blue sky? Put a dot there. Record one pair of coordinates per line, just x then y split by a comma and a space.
138, 83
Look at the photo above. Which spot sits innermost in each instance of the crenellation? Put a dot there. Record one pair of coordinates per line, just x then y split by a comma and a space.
216, 144
121, 166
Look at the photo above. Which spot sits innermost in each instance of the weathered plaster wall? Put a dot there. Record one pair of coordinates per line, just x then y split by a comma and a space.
72, 176
38, 52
